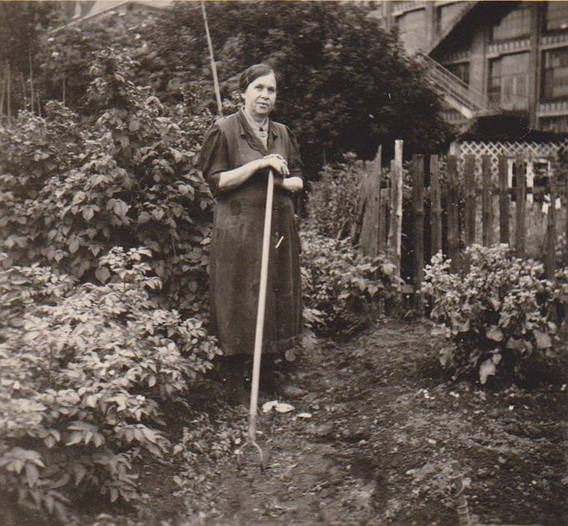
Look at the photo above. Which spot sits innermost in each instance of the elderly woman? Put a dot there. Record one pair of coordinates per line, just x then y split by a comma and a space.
237, 154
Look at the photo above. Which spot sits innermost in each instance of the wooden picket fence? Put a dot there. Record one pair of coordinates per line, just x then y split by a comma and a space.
442, 204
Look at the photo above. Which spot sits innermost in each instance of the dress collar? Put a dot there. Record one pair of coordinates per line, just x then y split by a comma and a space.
248, 133
245, 123
254, 125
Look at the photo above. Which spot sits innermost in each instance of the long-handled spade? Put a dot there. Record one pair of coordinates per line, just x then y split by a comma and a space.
251, 438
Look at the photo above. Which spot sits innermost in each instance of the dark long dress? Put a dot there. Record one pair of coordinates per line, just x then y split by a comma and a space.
237, 240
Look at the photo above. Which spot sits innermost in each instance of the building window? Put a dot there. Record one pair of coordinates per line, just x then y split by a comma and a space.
554, 124
460, 70
508, 81
556, 16
515, 24
555, 74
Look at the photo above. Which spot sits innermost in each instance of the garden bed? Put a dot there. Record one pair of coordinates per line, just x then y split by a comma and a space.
385, 427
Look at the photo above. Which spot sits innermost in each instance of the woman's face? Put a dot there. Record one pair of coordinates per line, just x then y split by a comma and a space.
260, 96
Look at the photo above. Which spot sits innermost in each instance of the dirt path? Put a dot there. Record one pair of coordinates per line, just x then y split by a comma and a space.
384, 429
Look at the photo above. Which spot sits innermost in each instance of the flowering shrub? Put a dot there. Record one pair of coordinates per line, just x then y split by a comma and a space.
85, 370
343, 289
500, 314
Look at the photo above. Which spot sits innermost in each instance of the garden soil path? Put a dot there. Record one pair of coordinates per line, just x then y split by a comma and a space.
384, 429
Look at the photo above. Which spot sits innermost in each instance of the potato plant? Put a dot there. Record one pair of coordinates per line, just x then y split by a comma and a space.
501, 314
344, 291
72, 187
87, 370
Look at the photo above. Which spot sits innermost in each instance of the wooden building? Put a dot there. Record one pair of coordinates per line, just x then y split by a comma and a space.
497, 64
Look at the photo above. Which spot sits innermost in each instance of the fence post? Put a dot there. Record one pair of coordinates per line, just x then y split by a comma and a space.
378, 166
453, 217
395, 227
470, 199
436, 200
520, 195
504, 201
487, 201
550, 256
565, 185
369, 209
418, 214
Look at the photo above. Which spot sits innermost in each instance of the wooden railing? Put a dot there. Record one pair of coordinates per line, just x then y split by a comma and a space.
453, 87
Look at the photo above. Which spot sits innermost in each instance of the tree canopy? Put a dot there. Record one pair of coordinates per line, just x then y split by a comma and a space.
345, 82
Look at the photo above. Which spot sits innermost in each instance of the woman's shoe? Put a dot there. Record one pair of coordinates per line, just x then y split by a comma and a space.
236, 380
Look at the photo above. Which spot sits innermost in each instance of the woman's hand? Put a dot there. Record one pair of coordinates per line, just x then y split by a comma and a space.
281, 179
277, 163
237, 176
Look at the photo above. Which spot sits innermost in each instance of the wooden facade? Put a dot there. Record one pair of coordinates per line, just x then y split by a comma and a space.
505, 58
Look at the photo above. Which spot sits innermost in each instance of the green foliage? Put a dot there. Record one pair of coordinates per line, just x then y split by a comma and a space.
500, 313
334, 198
86, 372
344, 291
71, 189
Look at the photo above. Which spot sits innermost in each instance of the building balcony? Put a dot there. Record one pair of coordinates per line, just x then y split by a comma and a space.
559, 39
497, 48
553, 108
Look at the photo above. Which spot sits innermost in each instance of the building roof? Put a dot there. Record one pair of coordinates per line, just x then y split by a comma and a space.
80, 10
100, 6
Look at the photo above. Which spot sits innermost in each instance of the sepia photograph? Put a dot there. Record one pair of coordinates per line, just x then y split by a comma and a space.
283, 263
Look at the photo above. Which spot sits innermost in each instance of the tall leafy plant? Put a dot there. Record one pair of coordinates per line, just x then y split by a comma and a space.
72, 189
334, 198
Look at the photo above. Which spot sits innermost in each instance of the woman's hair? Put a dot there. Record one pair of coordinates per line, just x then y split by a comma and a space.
251, 74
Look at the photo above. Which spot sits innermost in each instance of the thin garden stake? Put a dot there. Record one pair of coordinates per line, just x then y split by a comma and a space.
32, 94
8, 92
212, 60
259, 334
24, 95
3, 93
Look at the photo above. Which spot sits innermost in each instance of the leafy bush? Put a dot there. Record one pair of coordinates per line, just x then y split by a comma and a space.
500, 313
71, 189
85, 370
343, 290
334, 198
